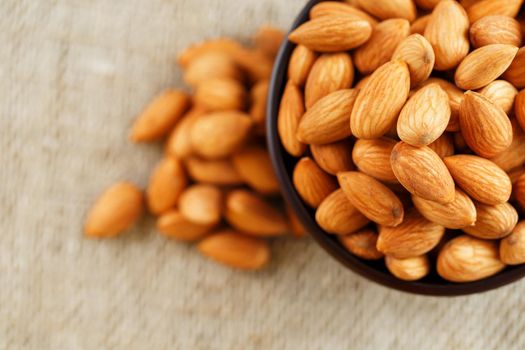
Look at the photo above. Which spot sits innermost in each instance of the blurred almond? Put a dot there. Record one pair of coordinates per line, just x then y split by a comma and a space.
385, 9
467, 3
201, 204
255, 167
372, 157
514, 155
443, 146
214, 172
485, 8
501, 93
221, 45
519, 191
493, 221
301, 62
338, 8
418, 54
254, 62
419, 25
220, 94
291, 111
455, 96
408, 269
167, 181
268, 39
333, 157
362, 244
519, 108
259, 95
311, 182
295, 224
338, 216
495, 30
512, 247
173, 224
211, 65
515, 173
178, 144
515, 74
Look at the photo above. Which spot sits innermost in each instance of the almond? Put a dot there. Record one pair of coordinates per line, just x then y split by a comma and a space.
485, 8
220, 94
519, 191
467, 259
236, 250
484, 65
373, 199
254, 62
515, 74
515, 173
201, 204
455, 215
413, 237
519, 108
178, 144
362, 244
427, 4
160, 116
380, 100
291, 111
220, 134
173, 224
467, 3
378, 50
311, 182
443, 146
338, 216
295, 224
512, 247
255, 167
115, 211
419, 25
337, 8
409, 269
166, 183
372, 157
330, 72
259, 95
455, 96
484, 125
268, 39
332, 33
501, 93
214, 172
211, 65
385, 9
422, 172
446, 31
493, 221
361, 83
495, 30
514, 155
460, 145
221, 45
301, 62
327, 120
333, 157
418, 54
249, 213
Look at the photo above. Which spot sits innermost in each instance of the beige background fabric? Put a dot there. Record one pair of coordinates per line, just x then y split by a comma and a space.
74, 73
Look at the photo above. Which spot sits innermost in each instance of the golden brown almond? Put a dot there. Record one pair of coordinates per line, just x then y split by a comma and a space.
385, 9
514, 155
515, 173
467, 259
338, 216
372, 157
330, 72
332, 33
166, 183
201, 204
480, 178
424, 117
446, 31
362, 244
173, 224
333, 157
219, 134
427, 4
378, 50
259, 96
296, 227
502, 93
418, 54
409, 269
519, 191
495, 30
419, 25
254, 62
361, 83
455, 96
422, 172
211, 65
268, 39
467, 3
327, 120
220, 94
512, 247
251, 214
255, 167
457, 214
380, 100
301, 62
114, 211
373, 199
482, 66
291, 111
337, 8
236, 250
484, 125
413, 237
311, 182
443, 146
221, 45
485, 8
160, 116
519, 108
515, 74
215, 172
178, 144
493, 221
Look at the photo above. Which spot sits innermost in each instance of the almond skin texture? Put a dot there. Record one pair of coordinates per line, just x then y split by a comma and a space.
413, 237
330, 72
220, 94
178, 144
515, 74
212, 65
249, 213
214, 172
480, 178
467, 259
455, 215
337, 8
493, 221
514, 155
446, 31
484, 125
166, 183
418, 54
385, 9
160, 116
333, 157
338, 216
372, 157
380, 100
362, 244
378, 50
236, 250
495, 30
419, 25
255, 167
484, 65
409, 269
424, 117
115, 211
485, 8
443, 146
502, 93
173, 224
422, 172
373, 199
519, 191
519, 108
219, 134
201, 204
327, 120
301, 62
512, 247
455, 96
291, 111
332, 33
312, 183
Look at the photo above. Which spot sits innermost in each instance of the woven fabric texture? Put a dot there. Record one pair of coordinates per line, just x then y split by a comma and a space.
74, 74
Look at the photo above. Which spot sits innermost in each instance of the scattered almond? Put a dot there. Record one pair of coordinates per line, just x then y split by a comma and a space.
220, 94
362, 244
443, 146
173, 224
493, 221
514, 155
268, 39
501, 93
485, 8
259, 95
178, 144
418, 54
408, 269
166, 184
214, 172
201, 204
515, 74
495, 30
519, 191
211, 65
311, 182
301, 62
254, 166
512, 247
372, 157
333, 157
455, 96
291, 111
519, 108
385, 9
338, 8
419, 25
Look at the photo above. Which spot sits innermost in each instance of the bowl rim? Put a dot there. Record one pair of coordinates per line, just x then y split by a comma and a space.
328, 242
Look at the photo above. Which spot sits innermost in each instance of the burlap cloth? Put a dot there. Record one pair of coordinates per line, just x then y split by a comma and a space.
74, 73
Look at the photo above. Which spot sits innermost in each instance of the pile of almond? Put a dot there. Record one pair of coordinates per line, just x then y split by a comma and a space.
215, 183
409, 125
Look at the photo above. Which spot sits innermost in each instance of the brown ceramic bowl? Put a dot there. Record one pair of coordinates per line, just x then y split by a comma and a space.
375, 271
